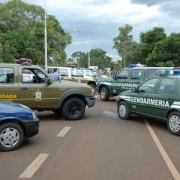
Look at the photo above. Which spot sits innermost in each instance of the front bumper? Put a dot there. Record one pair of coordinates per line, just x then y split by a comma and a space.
90, 101
31, 127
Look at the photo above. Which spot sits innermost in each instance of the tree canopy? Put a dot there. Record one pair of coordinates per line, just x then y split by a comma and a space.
22, 33
154, 49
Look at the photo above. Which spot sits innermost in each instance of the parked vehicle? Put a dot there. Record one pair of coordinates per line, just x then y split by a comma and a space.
16, 123
125, 79
75, 75
157, 98
42, 92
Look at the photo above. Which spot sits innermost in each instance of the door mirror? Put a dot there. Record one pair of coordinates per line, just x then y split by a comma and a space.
134, 89
49, 81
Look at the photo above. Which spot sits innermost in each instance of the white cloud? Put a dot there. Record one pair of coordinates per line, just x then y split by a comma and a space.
91, 15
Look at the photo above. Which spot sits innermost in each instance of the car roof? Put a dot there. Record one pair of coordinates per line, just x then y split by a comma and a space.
151, 68
59, 67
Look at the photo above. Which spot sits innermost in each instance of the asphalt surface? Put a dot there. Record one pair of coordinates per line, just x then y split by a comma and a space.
99, 147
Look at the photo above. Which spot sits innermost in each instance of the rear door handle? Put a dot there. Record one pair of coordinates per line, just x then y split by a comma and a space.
24, 88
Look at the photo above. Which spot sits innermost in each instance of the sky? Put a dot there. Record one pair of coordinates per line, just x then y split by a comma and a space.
97, 22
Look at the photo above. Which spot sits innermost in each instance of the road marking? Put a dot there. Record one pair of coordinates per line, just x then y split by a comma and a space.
33, 167
64, 131
166, 158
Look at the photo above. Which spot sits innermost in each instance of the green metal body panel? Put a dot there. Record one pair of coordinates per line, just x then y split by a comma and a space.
155, 104
127, 78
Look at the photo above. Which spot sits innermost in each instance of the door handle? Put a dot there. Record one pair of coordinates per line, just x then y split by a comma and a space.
24, 88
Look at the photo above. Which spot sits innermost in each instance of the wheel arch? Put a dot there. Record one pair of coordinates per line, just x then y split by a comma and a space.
169, 112
91, 82
101, 86
16, 121
69, 94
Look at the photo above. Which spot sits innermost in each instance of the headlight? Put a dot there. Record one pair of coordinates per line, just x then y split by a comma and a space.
34, 115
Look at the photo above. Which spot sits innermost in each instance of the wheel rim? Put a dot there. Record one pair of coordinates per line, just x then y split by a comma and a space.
74, 109
102, 94
9, 137
174, 123
122, 110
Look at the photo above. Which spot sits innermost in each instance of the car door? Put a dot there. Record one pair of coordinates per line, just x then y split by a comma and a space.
121, 81
36, 93
77, 76
163, 97
136, 77
141, 98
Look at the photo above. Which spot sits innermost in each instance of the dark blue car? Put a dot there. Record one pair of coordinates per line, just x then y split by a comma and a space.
16, 123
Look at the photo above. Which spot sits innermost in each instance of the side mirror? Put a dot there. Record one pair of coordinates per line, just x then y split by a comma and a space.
114, 77
134, 89
49, 81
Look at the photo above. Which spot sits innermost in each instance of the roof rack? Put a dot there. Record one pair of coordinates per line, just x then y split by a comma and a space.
23, 61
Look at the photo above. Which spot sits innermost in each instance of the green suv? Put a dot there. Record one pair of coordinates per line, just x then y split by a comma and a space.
32, 86
157, 98
125, 79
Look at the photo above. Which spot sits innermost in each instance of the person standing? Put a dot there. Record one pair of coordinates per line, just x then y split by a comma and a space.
55, 75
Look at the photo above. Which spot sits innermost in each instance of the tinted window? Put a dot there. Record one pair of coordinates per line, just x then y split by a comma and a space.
166, 86
122, 74
148, 85
136, 74
151, 73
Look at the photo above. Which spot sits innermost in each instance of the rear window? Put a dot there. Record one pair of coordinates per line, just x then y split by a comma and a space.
6, 75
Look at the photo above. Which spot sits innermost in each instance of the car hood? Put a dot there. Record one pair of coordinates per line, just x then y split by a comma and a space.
73, 84
106, 79
13, 105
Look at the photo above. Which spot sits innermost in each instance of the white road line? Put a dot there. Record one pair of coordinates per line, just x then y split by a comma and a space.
166, 158
33, 167
64, 131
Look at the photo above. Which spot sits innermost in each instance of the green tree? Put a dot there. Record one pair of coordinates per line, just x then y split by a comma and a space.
148, 41
166, 52
77, 57
99, 58
124, 41
27, 21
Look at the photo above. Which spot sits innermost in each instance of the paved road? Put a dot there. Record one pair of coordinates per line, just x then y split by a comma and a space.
98, 147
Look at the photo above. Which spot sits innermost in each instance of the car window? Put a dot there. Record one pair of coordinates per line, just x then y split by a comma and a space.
122, 74
148, 85
136, 74
151, 73
33, 76
63, 72
27, 78
166, 86
76, 73
6, 75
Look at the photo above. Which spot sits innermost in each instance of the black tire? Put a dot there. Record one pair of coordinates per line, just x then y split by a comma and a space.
11, 136
173, 123
104, 94
93, 87
123, 111
73, 109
